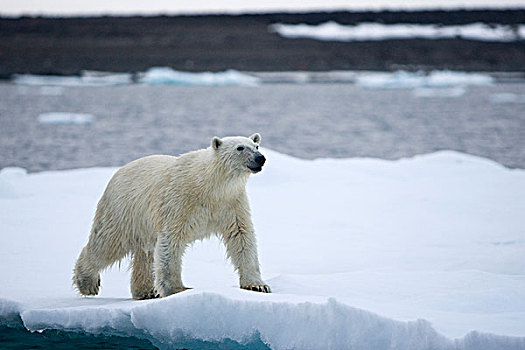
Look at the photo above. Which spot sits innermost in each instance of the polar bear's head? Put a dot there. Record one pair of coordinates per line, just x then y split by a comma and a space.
239, 153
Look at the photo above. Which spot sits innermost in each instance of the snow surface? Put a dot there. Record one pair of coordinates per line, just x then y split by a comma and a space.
130, 7
332, 31
419, 253
65, 118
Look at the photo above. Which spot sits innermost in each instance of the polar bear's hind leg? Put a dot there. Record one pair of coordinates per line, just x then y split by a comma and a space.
142, 279
86, 276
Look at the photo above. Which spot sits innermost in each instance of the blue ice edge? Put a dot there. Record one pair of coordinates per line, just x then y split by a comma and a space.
209, 320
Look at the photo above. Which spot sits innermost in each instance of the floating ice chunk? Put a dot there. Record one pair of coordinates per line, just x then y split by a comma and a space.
88, 78
396, 80
450, 78
408, 80
166, 75
332, 31
507, 97
65, 118
39, 80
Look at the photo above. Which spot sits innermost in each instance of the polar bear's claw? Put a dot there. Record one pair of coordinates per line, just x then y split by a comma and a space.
146, 296
262, 288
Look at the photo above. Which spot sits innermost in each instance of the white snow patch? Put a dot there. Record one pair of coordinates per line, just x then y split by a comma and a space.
360, 253
166, 75
332, 31
434, 79
65, 118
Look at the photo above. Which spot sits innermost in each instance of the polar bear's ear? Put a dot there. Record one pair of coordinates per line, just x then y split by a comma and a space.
216, 142
256, 138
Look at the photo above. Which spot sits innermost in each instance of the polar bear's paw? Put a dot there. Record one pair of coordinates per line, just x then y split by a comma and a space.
263, 288
145, 295
161, 293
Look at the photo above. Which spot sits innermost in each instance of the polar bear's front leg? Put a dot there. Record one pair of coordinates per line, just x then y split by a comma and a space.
169, 250
241, 247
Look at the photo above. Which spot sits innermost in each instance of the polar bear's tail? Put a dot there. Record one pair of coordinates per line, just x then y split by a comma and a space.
86, 277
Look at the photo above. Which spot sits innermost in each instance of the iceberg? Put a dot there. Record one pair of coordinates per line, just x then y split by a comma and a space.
166, 75
417, 253
332, 31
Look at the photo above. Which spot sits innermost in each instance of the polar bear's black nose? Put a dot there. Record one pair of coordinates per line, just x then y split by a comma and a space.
260, 159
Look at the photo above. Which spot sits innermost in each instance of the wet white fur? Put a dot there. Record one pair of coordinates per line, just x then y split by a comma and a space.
154, 207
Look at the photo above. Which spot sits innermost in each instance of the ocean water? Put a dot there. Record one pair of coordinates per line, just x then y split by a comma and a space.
14, 336
112, 125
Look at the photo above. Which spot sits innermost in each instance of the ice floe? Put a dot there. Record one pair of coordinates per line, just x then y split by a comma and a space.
434, 79
65, 118
332, 31
166, 75
87, 78
418, 253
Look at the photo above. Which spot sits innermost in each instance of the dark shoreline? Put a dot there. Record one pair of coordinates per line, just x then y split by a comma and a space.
66, 46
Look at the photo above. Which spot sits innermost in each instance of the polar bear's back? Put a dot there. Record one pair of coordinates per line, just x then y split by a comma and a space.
126, 210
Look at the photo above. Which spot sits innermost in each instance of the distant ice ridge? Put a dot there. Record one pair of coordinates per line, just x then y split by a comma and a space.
332, 31
166, 75
153, 76
360, 253
65, 118
88, 78
411, 80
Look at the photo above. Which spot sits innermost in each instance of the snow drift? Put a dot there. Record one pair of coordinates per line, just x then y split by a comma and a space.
420, 253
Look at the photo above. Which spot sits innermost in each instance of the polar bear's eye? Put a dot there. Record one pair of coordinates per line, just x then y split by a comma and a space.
256, 147
240, 148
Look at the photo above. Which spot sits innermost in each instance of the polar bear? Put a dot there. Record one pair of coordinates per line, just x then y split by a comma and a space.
155, 206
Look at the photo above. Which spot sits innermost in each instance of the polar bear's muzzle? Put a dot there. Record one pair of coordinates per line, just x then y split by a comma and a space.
256, 165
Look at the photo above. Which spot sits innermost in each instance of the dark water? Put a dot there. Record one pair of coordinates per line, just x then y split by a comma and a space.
307, 121
14, 336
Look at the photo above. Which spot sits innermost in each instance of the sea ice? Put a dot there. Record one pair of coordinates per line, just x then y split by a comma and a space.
65, 118
410, 80
88, 78
166, 75
332, 31
418, 253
